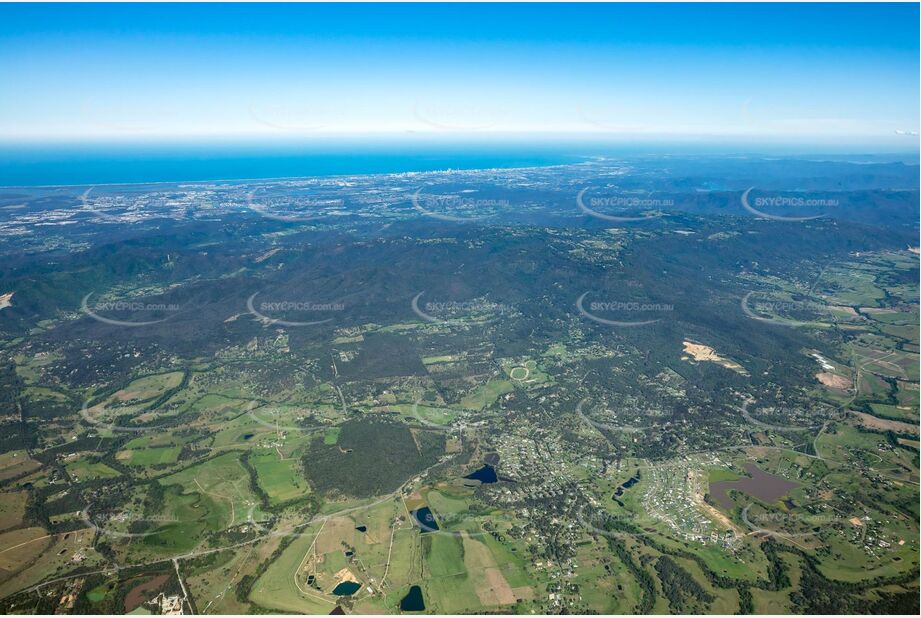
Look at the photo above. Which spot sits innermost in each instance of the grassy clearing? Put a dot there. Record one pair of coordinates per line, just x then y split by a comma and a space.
903, 413
16, 463
276, 588
280, 479
486, 394
726, 600
87, 470
605, 584
186, 519
12, 508
778, 602
150, 456
721, 474
436, 415
405, 563
205, 498
524, 371
21, 546
447, 508
444, 555
100, 592
148, 387
448, 358
454, 594
57, 557
211, 582
156, 439
331, 436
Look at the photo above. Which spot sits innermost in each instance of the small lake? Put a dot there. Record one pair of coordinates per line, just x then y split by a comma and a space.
425, 519
413, 601
486, 475
627, 485
761, 485
344, 589
633, 480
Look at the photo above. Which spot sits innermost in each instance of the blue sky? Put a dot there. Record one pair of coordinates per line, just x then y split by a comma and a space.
804, 72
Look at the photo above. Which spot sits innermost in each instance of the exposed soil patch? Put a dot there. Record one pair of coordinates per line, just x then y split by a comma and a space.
492, 589
832, 380
703, 353
882, 424
697, 482
140, 593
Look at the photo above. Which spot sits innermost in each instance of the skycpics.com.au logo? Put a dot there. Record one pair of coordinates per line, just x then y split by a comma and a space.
109, 523
457, 207
290, 207
270, 311
772, 311
621, 308
599, 204
95, 414
758, 206
478, 311
795, 525
99, 310
462, 118
301, 116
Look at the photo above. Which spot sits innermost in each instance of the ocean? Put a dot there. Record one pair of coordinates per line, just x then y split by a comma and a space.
94, 164
98, 163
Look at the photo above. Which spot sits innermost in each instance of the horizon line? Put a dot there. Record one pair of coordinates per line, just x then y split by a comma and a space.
556, 135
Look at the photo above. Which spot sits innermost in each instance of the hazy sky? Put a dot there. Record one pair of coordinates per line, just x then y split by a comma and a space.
796, 72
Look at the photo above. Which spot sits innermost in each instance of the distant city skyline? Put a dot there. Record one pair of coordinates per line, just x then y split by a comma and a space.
829, 73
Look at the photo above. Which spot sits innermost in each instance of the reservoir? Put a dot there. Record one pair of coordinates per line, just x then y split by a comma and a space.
344, 589
413, 601
424, 518
633, 480
761, 485
486, 475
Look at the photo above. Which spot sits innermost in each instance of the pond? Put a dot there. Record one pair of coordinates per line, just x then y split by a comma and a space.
761, 485
424, 518
413, 601
486, 475
633, 480
344, 589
